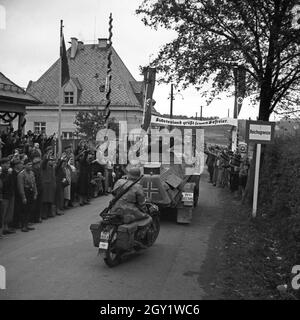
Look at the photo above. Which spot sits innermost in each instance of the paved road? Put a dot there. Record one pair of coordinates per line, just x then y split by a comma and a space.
58, 260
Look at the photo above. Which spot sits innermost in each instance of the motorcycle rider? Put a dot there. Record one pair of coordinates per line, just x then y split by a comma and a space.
132, 205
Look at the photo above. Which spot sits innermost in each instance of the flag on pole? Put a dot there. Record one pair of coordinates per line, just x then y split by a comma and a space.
64, 77
240, 89
149, 83
65, 74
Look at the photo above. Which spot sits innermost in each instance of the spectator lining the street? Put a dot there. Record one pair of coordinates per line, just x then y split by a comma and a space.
37, 212
7, 196
49, 184
34, 185
28, 191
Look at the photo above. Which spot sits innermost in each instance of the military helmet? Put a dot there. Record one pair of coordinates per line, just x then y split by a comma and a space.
134, 173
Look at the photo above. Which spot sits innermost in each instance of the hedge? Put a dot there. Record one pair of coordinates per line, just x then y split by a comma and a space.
279, 194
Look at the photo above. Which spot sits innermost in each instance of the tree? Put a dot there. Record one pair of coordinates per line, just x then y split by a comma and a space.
216, 36
90, 122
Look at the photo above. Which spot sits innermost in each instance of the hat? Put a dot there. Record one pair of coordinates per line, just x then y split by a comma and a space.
36, 160
4, 160
26, 161
134, 173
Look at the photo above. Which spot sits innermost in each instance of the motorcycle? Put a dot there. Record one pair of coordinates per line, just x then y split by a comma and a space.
114, 239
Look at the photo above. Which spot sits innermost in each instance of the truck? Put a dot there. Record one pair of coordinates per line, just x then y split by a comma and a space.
173, 184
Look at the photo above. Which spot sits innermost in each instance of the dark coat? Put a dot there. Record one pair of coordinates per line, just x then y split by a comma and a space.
8, 185
85, 175
38, 179
59, 173
48, 182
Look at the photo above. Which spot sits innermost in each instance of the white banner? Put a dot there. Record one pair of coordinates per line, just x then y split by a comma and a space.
192, 123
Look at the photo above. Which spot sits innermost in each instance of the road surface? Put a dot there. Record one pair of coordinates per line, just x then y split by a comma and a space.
58, 260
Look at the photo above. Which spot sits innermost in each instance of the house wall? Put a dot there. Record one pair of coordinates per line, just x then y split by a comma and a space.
133, 118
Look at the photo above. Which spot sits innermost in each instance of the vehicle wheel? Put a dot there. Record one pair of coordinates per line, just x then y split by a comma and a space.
196, 197
154, 230
113, 257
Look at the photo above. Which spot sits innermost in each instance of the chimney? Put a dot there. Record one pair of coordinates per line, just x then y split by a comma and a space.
80, 45
74, 46
102, 42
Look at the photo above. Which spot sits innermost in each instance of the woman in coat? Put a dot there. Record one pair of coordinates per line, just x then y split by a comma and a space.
84, 178
49, 185
61, 182
67, 189
74, 181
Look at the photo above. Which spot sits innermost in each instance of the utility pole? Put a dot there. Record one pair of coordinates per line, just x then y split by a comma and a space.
172, 98
171, 104
201, 117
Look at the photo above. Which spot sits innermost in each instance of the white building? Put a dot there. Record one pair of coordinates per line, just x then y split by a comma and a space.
85, 90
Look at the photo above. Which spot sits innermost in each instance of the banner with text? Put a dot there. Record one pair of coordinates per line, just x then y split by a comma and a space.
192, 123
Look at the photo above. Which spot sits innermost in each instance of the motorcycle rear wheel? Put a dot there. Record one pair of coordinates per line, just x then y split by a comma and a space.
154, 230
113, 257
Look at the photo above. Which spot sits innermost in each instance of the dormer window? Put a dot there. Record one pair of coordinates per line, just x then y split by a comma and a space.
72, 91
69, 97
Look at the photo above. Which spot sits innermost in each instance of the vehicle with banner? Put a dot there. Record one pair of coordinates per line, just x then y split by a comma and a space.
172, 167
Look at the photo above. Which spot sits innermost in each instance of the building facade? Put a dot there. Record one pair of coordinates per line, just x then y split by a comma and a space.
85, 91
13, 101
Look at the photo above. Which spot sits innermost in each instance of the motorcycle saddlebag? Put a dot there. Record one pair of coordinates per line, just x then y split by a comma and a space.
96, 229
125, 238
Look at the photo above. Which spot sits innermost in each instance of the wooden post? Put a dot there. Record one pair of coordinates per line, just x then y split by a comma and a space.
20, 122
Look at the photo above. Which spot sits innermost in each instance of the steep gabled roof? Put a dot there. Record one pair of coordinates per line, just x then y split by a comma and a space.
89, 68
10, 91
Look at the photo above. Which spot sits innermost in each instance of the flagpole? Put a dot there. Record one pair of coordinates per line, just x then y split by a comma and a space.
60, 92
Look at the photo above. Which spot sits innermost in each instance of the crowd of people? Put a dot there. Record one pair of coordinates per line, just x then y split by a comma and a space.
36, 185
11, 140
228, 169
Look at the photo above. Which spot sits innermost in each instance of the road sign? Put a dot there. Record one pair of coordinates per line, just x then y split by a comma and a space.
243, 147
261, 132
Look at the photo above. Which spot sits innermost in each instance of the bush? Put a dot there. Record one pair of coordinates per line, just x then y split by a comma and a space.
279, 195
280, 178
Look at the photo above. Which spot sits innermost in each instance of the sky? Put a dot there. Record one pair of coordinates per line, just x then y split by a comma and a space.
29, 45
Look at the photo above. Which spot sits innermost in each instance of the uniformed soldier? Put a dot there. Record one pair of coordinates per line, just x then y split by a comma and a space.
132, 205
28, 192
